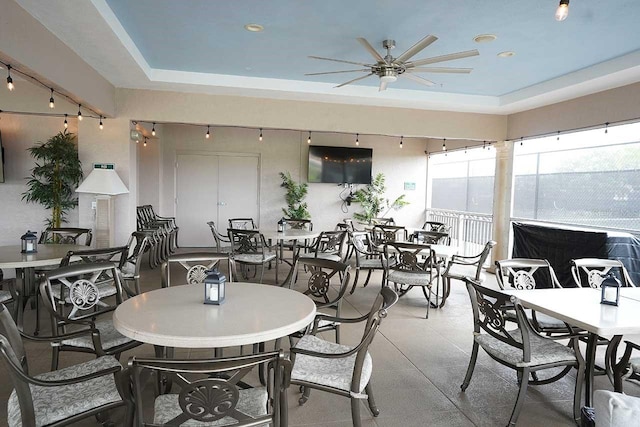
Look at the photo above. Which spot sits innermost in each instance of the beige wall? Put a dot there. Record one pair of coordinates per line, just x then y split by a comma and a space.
288, 151
26, 41
18, 134
613, 105
174, 107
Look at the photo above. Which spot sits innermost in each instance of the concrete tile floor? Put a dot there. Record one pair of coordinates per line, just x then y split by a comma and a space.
419, 365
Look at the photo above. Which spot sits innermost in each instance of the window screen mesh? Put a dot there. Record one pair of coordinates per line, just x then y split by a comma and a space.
588, 178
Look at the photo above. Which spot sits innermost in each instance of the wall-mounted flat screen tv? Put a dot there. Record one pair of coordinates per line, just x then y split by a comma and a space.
340, 164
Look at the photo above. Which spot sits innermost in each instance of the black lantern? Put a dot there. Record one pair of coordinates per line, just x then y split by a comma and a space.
281, 224
214, 285
29, 243
610, 290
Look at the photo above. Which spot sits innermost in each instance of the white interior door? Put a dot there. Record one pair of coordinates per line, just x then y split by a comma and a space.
238, 190
196, 198
214, 188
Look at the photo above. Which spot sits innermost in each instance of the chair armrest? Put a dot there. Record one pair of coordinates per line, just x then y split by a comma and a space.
351, 352
322, 316
464, 260
75, 380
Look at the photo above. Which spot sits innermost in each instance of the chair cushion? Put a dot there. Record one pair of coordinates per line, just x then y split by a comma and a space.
615, 409
408, 278
322, 255
543, 350
335, 373
544, 320
5, 295
372, 263
635, 365
254, 258
109, 337
52, 404
459, 272
252, 401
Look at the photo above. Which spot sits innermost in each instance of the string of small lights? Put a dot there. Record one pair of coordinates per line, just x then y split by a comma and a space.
11, 86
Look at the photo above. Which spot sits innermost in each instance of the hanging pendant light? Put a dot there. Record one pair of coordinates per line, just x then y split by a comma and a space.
562, 11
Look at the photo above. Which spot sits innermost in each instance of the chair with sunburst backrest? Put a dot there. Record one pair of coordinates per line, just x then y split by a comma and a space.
80, 306
213, 392
67, 236
242, 224
195, 266
521, 348
131, 262
527, 274
327, 286
331, 245
367, 258
250, 249
592, 271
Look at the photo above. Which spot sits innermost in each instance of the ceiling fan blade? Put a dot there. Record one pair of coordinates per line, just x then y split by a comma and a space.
355, 80
336, 72
340, 60
371, 50
439, 70
443, 58
416, 48
417, 79
383, 85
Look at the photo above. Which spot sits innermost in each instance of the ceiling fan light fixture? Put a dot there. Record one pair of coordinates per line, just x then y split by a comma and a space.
254, 28
484, 38
562, 11
389, 76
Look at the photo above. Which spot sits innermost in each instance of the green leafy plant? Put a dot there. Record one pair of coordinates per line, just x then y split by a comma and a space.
373, 202
296, 207
55, 177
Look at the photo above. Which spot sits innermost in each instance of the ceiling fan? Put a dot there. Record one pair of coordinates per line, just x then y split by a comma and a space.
388, 68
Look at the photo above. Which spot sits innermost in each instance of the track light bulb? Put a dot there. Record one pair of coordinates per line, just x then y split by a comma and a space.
444, 145
66, 124
563, 10
208, 135
145, 142
309, 139
79, 112
357, 139
401, 138
153, 129
52, 103
10, 85
101, 125
260, 137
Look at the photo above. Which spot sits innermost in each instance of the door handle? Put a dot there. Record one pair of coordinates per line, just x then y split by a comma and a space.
222, 204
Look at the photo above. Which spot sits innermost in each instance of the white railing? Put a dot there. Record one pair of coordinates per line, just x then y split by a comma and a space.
469, 231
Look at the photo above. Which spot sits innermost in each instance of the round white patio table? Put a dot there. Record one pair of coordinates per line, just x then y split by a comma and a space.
291, 234
177, 316
25, 265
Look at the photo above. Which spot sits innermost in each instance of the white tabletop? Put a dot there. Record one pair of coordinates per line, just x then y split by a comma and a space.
291, 234
631, 293
177, 317
48, 254
581, 307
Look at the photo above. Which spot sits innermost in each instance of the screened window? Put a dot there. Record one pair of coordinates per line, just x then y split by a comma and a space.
585, 178
463, 181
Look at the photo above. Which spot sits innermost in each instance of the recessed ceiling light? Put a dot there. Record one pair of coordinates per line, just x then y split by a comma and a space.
484, 38
507, 54
254, 28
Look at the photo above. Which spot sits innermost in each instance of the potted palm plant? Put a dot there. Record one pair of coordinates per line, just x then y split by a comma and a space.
55, 177
373, 202
296, 193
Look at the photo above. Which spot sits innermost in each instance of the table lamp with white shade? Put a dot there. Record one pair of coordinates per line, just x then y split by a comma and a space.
104, 182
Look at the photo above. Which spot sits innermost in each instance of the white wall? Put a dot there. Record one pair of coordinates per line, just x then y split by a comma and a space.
20, 132
282, 151
149, 164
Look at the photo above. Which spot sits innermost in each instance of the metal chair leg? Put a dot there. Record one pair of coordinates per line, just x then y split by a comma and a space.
355, 412
372, 403
524, 382
472, 365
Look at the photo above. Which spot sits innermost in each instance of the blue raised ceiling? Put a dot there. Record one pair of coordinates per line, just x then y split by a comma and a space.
209, 37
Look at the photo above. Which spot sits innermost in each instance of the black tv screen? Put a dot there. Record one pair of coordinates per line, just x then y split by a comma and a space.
340, 164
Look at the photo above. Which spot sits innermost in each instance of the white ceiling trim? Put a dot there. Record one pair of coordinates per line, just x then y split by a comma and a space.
114, 23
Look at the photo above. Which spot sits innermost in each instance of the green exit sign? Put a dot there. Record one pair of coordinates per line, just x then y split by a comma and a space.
106, 166
410, 186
